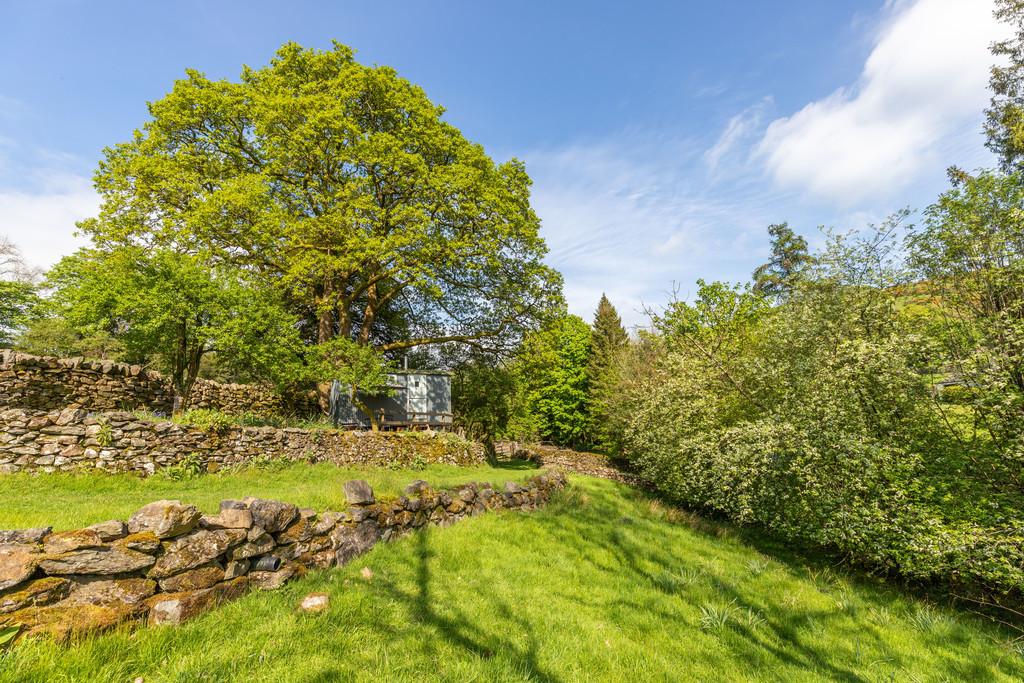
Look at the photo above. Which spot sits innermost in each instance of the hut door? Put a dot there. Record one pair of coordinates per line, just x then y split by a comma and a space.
418, 403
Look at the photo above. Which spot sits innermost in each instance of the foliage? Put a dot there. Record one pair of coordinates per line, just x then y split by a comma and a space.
970, 251
7, 636
1004, 124
17, 301
486, 399
552, 369
362, 370
50, 335
340, 186
815, 419
789, 258
18, 296
608, 340
174, 308
566, 593
187, 467
207, 419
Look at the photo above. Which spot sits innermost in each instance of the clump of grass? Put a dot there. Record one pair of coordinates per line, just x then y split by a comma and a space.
676, 581
752, 618
717, 617
927, 619
757, 566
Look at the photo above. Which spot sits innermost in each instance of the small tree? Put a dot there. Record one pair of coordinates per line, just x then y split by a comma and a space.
552, 368
360, 369
18, 298
173, 309
789, 256
1004, 124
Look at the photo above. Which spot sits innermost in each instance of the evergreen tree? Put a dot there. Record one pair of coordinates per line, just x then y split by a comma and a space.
608, 338
789, 256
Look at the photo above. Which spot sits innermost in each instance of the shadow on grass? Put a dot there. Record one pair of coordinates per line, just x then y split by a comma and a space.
516, 464
626, 544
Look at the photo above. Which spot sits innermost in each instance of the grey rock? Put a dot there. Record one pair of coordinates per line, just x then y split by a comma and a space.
351, 541
35, 535
271, 515
259, 546
315, 602
416, 487
103, 591
271, 580
175, 608
110, 531
17, 564
39, 592
165, 518
105, 561
236, 568
358, 492
195, 549
227, 518
193, 579
66, 541
327, 521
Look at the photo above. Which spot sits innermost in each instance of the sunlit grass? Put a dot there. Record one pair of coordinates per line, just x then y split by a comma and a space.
73, 500
603, 585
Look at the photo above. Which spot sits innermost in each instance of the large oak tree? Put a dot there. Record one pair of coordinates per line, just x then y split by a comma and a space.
341, 185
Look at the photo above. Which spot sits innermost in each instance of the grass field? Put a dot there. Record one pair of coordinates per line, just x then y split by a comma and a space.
603, 585
68, 501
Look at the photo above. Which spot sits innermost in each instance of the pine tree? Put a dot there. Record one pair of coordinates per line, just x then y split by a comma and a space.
789, 257
607, 339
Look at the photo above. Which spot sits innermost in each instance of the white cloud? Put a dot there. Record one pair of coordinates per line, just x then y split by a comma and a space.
41, 221
923, 85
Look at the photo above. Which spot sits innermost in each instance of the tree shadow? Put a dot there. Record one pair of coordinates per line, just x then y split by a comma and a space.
457, 628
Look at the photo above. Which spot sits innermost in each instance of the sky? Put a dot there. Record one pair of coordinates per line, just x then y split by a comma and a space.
662, 137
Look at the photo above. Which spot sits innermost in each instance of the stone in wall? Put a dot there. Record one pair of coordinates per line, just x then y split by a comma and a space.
72, 582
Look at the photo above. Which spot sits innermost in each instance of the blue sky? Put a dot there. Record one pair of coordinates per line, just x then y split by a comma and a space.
663, 137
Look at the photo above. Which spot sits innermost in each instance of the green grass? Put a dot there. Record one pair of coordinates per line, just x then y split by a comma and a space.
603, 585
68, 501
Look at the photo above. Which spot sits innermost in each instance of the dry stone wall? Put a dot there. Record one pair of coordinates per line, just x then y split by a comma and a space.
49, 383
168, 562
75, 439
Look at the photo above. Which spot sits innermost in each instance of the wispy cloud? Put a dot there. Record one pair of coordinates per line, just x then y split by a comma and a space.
738, 130
923, 84
631, 216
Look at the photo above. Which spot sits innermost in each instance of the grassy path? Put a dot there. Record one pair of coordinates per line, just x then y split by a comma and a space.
604, 585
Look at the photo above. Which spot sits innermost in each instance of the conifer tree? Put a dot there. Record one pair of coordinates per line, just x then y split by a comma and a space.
608, 339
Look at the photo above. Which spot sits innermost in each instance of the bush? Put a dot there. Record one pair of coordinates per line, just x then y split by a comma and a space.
213, 421
814, 419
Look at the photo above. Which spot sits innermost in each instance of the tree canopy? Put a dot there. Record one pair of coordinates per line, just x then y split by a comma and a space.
340, 185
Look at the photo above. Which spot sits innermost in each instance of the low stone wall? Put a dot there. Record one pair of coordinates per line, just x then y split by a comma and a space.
49, 383
580, 462
74, 439
169, 562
